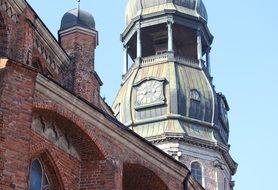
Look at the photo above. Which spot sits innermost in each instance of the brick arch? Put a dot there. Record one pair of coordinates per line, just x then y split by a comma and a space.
50, 168
138, 177
3, 37
92, 170
56, 126
79, 123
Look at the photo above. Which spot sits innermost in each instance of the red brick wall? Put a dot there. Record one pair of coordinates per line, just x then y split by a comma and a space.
3, 37
102, 160
81, 47
17, 88
136, 177
62, 169
20, 144
21, 36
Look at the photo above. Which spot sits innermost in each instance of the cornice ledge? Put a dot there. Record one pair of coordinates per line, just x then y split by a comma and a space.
231, 163
223, 149
20, 5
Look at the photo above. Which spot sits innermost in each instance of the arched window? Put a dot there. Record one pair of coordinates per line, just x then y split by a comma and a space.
196, 171
38, 177
195, 111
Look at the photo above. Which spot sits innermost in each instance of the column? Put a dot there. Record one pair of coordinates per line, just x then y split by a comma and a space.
125, 65
170, 36
199, 45
208, 59
139, 45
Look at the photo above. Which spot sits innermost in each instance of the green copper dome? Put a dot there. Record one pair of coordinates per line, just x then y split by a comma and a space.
193, 8
167, 92
167, 97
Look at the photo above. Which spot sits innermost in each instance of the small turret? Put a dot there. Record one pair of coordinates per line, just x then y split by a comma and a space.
79, 38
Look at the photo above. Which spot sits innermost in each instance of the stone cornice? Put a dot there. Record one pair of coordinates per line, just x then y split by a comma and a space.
168, 117
114, 129
20, 5
221, 148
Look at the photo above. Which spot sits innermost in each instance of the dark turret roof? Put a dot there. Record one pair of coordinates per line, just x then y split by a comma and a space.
77, 17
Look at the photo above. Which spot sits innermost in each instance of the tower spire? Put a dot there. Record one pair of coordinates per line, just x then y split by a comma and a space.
78, 7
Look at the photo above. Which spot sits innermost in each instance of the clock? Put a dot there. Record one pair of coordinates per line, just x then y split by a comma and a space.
149, 93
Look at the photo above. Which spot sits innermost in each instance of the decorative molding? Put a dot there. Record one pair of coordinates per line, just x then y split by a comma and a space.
9, 9
169, 117
46, 55
54, 132
82, 30
49, 47
216, 146
175, 154
218, 164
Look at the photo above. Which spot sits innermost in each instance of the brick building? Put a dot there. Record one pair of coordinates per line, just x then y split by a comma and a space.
56, 132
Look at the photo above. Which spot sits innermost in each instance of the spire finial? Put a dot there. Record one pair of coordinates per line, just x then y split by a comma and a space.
78, 7
78, 4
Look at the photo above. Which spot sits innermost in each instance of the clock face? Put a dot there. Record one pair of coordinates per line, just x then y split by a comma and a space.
150, 93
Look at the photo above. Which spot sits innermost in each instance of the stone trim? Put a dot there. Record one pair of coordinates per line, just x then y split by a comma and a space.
81, 30
49, 48
221, 148
9, 8
52, 131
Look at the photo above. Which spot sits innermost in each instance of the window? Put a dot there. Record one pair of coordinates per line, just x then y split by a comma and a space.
196, 171
195, 95
196, 108
38, 177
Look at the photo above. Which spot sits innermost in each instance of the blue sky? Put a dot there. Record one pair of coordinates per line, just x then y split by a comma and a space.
244, 67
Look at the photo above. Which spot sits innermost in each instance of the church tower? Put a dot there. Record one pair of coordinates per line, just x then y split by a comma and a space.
167, 95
